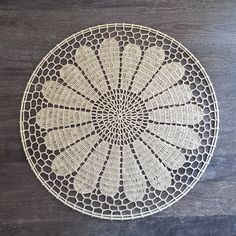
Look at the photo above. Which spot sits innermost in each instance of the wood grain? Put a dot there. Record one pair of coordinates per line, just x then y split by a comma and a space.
29, 29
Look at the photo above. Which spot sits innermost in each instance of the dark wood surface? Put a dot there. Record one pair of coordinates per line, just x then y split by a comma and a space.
29, 29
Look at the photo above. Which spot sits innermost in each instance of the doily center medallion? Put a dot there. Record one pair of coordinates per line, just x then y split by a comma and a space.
119, 121
119, 116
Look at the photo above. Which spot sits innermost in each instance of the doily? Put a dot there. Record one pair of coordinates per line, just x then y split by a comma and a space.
119, 121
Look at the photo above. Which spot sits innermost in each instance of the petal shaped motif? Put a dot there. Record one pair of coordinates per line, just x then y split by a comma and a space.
70, 159
87, 60
54, 117
175, 95
61, 138
87, 177
129, 65
77, 81
110, 180
180, 136
151, 62
188, 114
134, 180
60, 95
168, 154
157, 174
168, 75
110, 57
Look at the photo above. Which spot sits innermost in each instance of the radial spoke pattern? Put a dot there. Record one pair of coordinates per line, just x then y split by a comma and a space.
119, 121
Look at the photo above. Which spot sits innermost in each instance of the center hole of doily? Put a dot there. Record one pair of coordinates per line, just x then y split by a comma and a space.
119, 116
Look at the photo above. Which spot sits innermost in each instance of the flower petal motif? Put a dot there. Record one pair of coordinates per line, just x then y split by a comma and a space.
110, 58
61, 95
180, 136
61, 138
134, 181
129, 66
87, 60
54, 117
169, 155
110, 180
188, 114
168, 75
87, 177
70, 159
156, 172
76, 80
175, 95
151, 62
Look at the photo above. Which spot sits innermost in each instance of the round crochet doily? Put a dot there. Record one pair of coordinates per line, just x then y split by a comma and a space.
119, 121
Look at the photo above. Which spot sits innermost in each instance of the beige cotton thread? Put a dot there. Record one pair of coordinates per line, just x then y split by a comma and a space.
119, 121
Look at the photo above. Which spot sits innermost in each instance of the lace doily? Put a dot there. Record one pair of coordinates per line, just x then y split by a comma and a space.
119, 121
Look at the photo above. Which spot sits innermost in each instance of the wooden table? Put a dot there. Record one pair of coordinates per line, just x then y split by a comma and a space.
29, 29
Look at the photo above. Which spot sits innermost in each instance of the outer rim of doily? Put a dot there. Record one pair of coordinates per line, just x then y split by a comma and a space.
138, 215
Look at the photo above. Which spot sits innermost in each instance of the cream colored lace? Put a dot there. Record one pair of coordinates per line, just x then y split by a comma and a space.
119, 121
